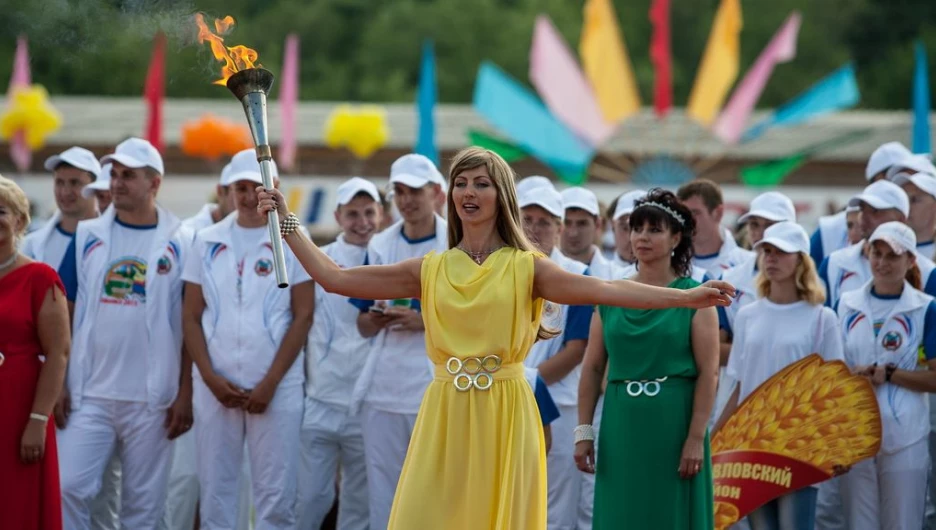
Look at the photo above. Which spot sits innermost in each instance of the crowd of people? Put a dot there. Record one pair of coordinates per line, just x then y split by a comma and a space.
465, 354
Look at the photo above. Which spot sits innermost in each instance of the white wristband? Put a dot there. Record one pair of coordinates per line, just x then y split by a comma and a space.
583, 433
40, 417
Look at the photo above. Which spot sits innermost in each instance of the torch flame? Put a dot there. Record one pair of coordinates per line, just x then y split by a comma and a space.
235, 58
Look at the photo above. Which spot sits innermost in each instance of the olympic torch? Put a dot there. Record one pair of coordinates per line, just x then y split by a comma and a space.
250, 84
251, 87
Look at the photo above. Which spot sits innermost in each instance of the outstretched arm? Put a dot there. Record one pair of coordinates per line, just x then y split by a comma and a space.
374, 282
553, 283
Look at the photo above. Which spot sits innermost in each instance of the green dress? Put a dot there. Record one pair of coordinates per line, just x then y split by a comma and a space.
637, 482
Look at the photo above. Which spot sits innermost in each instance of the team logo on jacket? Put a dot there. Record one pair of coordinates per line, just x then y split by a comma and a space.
892, 341
125, 282
263, 267
164, 265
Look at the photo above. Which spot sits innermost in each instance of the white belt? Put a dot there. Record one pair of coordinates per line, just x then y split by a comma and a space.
647, 387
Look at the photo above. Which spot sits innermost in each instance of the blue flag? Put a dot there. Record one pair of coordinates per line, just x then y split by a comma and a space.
517, 113
836, 91
426, 97
921, 102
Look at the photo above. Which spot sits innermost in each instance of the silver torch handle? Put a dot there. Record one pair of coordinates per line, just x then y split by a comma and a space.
279, 258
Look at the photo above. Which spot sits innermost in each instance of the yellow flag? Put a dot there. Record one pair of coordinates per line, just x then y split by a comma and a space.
605, 61
719, 67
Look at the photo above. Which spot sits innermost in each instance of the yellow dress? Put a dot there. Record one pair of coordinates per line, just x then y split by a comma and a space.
477, 458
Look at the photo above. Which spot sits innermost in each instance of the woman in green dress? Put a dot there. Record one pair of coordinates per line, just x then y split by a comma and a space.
655, 467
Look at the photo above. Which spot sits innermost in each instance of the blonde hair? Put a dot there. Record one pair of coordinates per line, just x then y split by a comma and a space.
808, 287
13, 197
508, 222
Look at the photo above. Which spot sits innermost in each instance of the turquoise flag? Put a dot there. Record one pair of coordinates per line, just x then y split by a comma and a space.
517, 113
921, 102
838, 90
425, 105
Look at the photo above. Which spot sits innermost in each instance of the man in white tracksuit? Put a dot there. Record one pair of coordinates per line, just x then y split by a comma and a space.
559, 359
246, 337
129, 379
72, 170
832, 232
715, 250
331, 435
581, 225
396, 373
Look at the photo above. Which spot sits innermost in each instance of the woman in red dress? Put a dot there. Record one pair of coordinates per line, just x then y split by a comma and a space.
33, 323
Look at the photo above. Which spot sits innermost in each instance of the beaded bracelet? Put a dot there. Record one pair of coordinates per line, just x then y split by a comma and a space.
584, 433
289, 225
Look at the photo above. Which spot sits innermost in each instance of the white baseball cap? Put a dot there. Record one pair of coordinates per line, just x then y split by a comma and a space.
787, 236
883, 195
77, 157
244, 166
626, 202
579, 197
415, 171
899, 236
545, 197
529, 183
136, 153
923, 180
912, 164
884, 157
101, 184
773, 206
351, 187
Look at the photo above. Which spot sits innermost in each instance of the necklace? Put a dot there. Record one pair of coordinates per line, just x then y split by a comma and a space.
478, 257
9, 262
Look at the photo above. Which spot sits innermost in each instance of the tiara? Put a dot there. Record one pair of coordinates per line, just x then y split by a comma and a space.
673, 213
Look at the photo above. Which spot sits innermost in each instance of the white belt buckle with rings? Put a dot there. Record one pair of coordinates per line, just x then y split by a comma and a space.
473, 372
648, 388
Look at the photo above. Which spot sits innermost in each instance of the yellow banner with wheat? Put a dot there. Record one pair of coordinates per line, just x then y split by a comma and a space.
800, 427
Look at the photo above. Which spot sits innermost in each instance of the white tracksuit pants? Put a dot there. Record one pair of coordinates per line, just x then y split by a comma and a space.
564, 480
888, 492
93, 433
587, 498
386, 438
273, 449
105, 507
331, 439
830, 514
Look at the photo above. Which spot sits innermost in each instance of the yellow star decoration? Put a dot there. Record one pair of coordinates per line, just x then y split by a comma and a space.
30, 112
363, 130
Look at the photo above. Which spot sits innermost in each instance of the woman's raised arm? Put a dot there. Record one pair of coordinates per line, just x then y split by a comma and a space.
373, 282
552, 283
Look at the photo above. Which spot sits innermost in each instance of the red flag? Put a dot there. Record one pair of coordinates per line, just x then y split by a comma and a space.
154, 91
661, 56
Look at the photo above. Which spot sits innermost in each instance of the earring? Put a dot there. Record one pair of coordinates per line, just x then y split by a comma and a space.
672, 253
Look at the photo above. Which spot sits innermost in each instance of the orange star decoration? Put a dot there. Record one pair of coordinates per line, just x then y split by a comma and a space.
30, 112
211, 137
363, 130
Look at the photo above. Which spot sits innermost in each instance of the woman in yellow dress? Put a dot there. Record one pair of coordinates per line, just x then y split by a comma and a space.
477, 457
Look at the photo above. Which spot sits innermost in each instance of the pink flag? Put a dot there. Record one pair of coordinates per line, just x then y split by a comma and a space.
19, 151
289, 94
782, 48
562, 85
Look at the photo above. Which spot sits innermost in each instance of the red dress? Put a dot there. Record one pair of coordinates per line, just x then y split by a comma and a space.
29, 494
